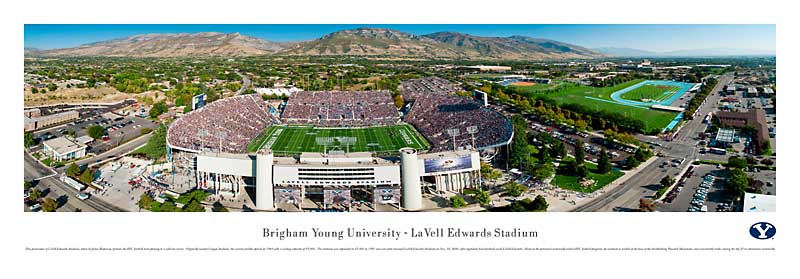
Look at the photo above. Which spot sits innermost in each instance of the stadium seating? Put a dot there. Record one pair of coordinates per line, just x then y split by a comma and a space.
435, 110
341, 108
227, 125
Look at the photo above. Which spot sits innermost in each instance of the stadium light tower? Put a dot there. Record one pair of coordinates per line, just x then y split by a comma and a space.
220, 135
472, 130
453, 132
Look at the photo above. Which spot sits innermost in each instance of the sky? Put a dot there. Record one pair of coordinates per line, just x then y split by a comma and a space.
657, 37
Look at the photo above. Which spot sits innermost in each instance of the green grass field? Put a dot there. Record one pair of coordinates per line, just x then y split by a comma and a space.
570, 182
297, 139
651, 92
653, 119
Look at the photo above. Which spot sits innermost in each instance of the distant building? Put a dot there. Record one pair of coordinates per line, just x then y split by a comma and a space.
36, 121
62, 149
725, 137
755, 118
483, 68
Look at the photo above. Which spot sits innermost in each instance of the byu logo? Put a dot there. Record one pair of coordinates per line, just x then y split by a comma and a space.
762, 230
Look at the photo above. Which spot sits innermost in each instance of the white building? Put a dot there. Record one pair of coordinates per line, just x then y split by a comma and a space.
62, 149
758, 203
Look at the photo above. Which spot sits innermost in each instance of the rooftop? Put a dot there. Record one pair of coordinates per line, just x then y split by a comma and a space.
759, 203
726, 135
62, 145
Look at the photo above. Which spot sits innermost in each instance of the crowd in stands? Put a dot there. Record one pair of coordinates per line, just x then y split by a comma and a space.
227, 125
341, 108
435, 109
413, 88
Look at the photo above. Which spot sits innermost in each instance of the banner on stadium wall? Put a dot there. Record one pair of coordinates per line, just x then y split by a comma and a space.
336, 196
288, 195
198, 101
448, 164
386, 195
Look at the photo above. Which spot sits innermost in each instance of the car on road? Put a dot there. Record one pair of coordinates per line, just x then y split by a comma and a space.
36, 207
82, 196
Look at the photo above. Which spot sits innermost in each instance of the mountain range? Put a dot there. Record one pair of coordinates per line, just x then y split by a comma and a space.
353, 42
705, 52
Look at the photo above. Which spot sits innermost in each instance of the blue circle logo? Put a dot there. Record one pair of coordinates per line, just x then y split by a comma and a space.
762, 230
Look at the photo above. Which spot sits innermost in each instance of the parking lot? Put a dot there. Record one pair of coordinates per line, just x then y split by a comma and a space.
710, 195
118, 131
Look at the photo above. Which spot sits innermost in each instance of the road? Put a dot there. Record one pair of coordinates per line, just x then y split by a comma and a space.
47, 181
245, 84
113, 153
645, 184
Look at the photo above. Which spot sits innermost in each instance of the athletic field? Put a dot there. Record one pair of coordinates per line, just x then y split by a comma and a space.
296, 139
651, 92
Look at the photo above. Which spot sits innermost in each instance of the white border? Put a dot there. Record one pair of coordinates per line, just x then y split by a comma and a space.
556, 229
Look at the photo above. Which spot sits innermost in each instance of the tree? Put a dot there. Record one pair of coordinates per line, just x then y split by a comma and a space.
647, 205
88, 176
71, 133
737, 182
52, 87
581, 171
49, 205
29, 141
73, 170
737, 162
218, 207
604, 163
631, 162
513, 189
483, 197
145, 201
767, 161
457, 202
398, 101
539, 204
96, 131
34, 90
667, 181
158, 109
28, 185
195, 206
560, 149
579, 153
35, 194
488, 172
544, 170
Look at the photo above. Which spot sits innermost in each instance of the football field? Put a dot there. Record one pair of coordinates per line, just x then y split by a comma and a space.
297, 139
649, 92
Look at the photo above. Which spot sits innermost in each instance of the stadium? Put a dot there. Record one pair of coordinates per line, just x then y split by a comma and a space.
330, 146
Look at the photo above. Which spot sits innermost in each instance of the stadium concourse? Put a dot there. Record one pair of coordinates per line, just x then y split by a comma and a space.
209, 146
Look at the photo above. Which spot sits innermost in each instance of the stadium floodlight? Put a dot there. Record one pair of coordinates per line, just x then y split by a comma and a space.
220, 135
472, 130
453, 132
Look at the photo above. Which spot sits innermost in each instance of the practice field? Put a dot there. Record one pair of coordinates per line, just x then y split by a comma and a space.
297, 139
650, 92
599, 98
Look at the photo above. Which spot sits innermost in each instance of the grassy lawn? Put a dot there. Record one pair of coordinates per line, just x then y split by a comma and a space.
651, 92
296, 139
577, 94
535, 88
571, 182
482, 76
